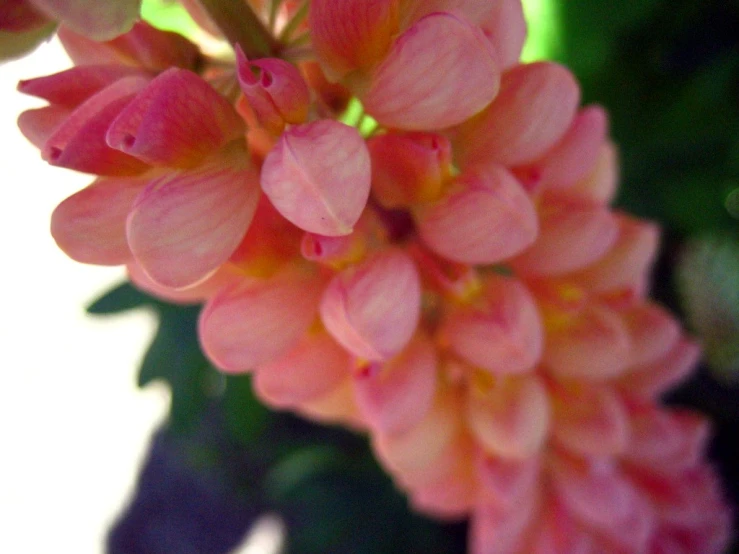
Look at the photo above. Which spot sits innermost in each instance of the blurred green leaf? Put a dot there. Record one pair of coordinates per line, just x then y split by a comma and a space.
119, 299
169, 15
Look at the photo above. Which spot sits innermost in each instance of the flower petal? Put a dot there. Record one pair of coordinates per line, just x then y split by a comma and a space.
510, 418
572, 235
485, 218
594, 345
533, 111
312, 369
252, 323
397, 396
175, 121
501, 332
185, 224
373, 308
90, 226
350, 35
420, 86
318, 177
79, 141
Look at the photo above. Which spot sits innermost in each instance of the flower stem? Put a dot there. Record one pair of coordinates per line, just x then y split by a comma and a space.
241, 26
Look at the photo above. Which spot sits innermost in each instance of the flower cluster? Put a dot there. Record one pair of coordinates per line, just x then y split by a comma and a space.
445, 275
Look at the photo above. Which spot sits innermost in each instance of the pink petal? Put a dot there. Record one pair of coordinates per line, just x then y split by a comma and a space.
653, 379
39, 124
197, 294
602, 498
496, 531
97, 20
628, 261
602, 183
250, 324
510, 418
79, 141
90, 226
373, 308
335, 407
654, 332
506, 483
143, 46
399, 394
185, 224
312, 369
571, 236
451, 498
420, 86
72, 87
175, 121
502, 21
408, 168
575, 156
501, 332
275, 91
532, 112
594, 345
318, 177
667, 442
415, 454
589, 420
485, 218
352, 34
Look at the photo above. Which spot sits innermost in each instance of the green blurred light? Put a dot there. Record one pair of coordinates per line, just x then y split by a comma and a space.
169, 16
544, 40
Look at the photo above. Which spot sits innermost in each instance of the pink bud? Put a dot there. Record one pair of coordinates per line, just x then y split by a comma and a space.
275, 91
187, 223
399, 395
72, 87
572, 235
144, 46
602, 183
603, 498
79, 141
350, 35
510, 416
250, 324
318, 177
506, 483
408, 168
654, 332
651, 380
90, 226
575, 156
417, 88
500, 332
175, 121
373, 308
667, 442
484, 218
513, 130
628, 261
310, 370
589, 420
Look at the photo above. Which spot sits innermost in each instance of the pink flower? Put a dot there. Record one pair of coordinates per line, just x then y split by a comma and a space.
450, 279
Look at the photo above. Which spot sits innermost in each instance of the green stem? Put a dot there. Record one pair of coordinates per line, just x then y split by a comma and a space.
241, 26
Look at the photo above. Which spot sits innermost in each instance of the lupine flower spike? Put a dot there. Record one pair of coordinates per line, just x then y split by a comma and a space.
449, 280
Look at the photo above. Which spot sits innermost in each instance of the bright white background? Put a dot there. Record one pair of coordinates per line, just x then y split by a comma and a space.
73, 425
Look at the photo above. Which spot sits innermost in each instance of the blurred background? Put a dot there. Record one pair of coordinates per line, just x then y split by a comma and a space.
187, 463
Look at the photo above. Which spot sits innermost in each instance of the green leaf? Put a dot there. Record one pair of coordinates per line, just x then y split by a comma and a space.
119, 299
